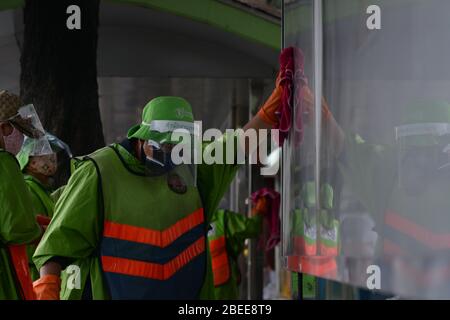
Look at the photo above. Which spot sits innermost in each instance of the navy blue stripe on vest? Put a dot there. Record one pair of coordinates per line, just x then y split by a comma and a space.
183, 285
144, 252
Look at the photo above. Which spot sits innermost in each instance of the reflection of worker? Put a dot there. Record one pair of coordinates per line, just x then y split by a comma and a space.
408, 191
17, 223
405, 186
226, 238
38, 170
317, 256
137, 219
398, 184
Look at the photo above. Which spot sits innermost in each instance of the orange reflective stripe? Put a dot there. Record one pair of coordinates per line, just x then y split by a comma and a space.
221, 269
328, 251
219, 261
19, 260
153, 237
293, 263
419, 233
319, 266
153, 270
303, 247
217, 244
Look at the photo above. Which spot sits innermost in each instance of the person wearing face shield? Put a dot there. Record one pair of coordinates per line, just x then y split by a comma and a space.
136, 218
38, 170
406, 186
18, 226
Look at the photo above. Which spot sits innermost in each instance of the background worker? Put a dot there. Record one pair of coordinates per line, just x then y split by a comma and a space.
38, 172
18, 226
227, 236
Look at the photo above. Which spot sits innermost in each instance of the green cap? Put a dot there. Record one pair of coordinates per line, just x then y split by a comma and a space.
160, 117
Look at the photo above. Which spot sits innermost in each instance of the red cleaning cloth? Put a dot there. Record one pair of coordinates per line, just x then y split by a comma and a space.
291, 75
273, 217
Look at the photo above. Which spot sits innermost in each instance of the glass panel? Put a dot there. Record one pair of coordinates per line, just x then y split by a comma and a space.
299, 207
384, 159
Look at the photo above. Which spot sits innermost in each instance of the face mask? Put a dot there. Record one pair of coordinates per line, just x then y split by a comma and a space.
45, 165
160, 163
13, 142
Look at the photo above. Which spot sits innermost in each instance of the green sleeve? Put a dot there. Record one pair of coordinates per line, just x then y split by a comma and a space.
55, 195
238, 228
36, 202
76, 225
43, 204
17, 218
214, 179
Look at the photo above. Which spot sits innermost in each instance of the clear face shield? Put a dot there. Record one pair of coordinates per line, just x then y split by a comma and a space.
36, 156
423, 155
175, 154
58, 145
27, 121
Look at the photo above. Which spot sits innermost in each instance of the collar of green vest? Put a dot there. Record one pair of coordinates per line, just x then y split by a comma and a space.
128, 159
36, 181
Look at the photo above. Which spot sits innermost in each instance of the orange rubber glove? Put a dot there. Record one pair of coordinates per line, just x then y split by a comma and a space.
260, 207
308, 100
47, 287
267, 113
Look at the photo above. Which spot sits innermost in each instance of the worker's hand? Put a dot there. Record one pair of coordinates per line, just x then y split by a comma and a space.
261, 207
47, 287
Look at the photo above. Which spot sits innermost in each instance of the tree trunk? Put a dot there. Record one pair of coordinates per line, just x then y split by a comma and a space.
59, 71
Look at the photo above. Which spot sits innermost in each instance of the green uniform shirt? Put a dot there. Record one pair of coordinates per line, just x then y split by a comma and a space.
43, 204
17, 221
76, 227
41, 197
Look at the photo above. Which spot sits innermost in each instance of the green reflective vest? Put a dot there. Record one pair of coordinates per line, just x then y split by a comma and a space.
141, 216
17, 222
154, 237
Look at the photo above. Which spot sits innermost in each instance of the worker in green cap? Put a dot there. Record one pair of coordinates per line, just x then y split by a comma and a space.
226, 238
136, 217
18, 226
38, 171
